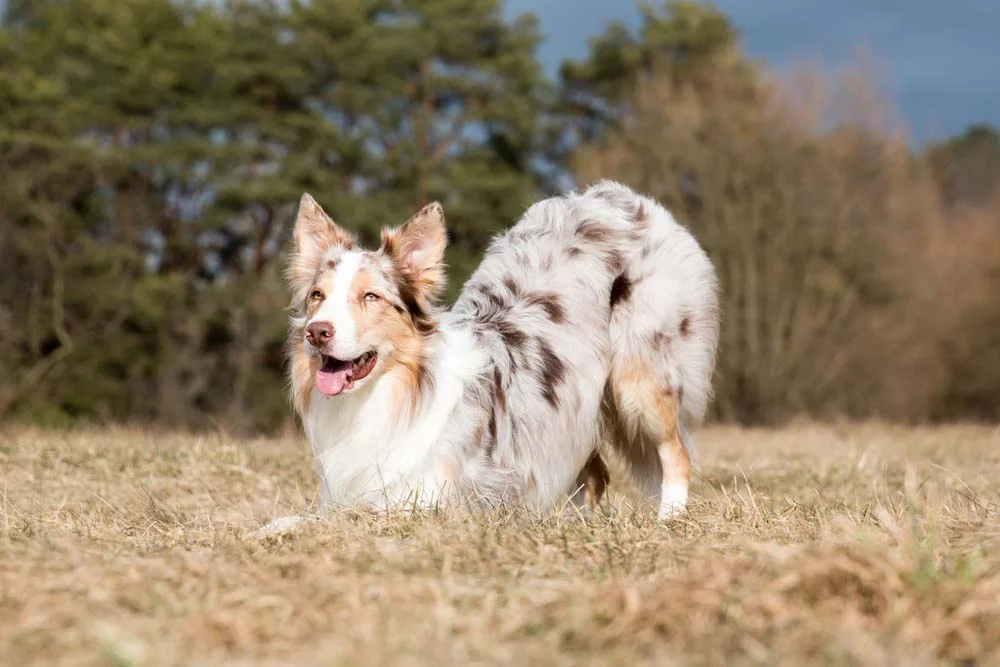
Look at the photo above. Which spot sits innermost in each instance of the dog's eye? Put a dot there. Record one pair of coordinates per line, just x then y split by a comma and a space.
371, 296
316, 295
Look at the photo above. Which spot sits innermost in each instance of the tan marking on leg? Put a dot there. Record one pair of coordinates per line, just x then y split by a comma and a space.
675, 460
672, 450
653, 409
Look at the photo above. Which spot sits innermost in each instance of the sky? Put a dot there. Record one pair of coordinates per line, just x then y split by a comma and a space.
940, 61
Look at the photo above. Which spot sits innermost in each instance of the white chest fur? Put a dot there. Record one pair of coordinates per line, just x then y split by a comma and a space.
370, 450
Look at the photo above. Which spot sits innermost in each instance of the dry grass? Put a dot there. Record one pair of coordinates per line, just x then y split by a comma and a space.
865, 545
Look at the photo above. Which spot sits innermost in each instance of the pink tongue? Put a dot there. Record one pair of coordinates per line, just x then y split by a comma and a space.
333, 377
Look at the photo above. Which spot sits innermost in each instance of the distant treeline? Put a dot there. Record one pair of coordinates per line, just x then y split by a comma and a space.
152, 153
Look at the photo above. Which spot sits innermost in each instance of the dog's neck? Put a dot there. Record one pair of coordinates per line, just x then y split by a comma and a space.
370, 442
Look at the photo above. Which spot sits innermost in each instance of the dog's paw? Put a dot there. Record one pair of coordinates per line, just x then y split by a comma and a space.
281, 527
673, 501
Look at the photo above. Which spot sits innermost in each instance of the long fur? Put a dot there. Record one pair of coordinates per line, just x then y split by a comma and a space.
596, 315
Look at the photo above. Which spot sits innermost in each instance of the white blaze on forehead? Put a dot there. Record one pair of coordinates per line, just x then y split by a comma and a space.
337, 308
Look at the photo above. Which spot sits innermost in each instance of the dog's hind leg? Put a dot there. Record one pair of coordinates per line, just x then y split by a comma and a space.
643, 412
591, 482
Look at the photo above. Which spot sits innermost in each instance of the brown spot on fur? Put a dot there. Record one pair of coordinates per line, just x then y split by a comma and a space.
492, 297
549, 301
423, 321
573, 251
526, 233
499, 397
491, 427
661, 340
640, 213
477, 439
511, 335
424, 378
593, 231
614, 262
621, 290
613, 196
685, 325
553, 372
511, 285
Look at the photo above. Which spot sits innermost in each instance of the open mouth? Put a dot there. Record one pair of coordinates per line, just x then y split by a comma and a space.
337, 375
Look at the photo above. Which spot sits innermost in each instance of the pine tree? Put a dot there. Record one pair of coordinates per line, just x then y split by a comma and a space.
152, 153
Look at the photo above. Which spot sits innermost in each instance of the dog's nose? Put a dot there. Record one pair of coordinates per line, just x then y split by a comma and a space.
319, 333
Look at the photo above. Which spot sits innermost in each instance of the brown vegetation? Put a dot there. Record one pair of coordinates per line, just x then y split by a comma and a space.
863, 545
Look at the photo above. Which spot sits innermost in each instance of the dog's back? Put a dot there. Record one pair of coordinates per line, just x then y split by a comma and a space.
596, 309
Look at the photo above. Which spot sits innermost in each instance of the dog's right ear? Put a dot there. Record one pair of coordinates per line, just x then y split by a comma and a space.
315, 230
315, 233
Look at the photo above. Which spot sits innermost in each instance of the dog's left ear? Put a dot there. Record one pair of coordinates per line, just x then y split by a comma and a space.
417, 248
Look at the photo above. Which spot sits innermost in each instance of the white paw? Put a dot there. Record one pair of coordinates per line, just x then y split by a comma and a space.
673, 500
284, 525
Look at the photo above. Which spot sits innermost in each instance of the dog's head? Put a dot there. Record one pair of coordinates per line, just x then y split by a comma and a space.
360, 314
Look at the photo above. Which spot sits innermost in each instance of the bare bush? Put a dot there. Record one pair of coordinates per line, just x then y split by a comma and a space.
822, 224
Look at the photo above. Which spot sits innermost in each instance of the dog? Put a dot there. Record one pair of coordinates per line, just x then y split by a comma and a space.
594, 318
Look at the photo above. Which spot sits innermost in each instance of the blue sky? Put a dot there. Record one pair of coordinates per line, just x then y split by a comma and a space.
941, 61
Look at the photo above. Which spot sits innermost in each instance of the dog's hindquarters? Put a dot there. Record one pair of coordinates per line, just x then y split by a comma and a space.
664, 335
642, 414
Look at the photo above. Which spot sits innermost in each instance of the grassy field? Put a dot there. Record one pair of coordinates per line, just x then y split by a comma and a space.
861, 545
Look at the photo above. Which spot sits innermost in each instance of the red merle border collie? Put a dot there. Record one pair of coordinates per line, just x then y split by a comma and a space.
595, 316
